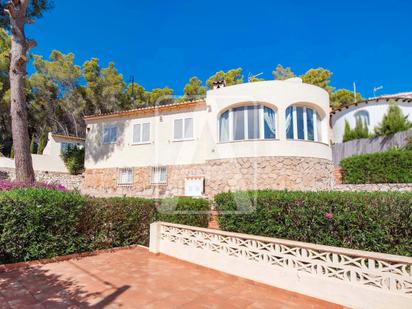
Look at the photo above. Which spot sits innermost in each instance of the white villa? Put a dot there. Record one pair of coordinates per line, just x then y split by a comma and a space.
269, 134
370, 111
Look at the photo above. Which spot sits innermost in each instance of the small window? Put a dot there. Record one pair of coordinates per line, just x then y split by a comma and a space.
183, 128
363, 116
141, 133
110, 135
65, 146
125, 176
159, 175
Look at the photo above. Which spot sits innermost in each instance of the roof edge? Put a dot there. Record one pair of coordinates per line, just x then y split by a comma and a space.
145, 110
370, 100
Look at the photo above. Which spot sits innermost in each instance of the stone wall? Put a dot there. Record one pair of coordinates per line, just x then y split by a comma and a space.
71, 182
293, 173
394, 187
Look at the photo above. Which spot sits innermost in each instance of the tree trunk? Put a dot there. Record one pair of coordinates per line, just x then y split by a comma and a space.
18, 109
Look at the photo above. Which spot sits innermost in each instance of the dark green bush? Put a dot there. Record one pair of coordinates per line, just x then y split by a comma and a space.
376, 221
43, 223
392, 166
38, 223
184, 210
116, 222
73, 158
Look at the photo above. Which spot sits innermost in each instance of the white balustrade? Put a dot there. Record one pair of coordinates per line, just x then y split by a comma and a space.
354, 278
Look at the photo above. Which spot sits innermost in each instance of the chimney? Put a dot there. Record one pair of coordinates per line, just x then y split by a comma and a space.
219, 84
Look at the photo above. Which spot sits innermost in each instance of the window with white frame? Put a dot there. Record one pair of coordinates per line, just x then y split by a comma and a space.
125, 176
362, 116
110, 135
141, 133
159, 175
183, 128
247, 123
303, 123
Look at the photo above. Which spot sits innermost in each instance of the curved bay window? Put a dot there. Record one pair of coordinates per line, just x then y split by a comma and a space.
247, 123
303, 123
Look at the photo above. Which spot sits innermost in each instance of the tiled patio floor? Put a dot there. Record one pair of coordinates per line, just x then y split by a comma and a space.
137, 279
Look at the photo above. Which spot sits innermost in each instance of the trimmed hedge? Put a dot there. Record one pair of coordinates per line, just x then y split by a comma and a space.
392, 166
376, 221
42, 223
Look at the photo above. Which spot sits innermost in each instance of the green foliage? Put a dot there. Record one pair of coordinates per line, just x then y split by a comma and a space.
231, 77
392, 166
160, 96
73, 158
41, 223
12, 152
42, 142
408, 145
319, 77
38, 223
33, 145
281, 73
393, 121
344, 97
360, 131
116, 222
194, 90
377, 221
184, 210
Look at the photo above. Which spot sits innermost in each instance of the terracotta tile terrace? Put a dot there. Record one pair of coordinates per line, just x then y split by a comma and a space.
135, 278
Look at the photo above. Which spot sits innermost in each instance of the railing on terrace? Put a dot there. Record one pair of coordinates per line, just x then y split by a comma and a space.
352, 278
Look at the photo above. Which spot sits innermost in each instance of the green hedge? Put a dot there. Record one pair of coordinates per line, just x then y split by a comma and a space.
378, 221
393, 166
42, 223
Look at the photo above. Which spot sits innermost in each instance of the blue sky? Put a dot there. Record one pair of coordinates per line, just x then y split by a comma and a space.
165, 42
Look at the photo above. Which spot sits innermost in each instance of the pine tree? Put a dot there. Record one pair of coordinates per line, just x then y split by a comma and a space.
393, 121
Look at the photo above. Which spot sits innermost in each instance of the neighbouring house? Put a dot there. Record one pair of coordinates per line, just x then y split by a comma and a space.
269, 134
370, 111
50, 160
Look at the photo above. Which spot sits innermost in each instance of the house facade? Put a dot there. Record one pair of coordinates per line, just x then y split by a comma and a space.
270, 134
370, 112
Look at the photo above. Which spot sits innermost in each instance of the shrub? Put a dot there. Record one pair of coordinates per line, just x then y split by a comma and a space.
184, 210
393, 121
38, 223
73, 158
41, 223
116, 222
360, 131
392, 166
378, 221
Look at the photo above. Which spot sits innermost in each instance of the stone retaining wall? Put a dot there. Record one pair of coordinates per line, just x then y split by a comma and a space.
293, 173
394, 187
71, 182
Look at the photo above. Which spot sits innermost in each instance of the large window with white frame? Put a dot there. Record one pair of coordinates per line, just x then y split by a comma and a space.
141, 133
183, 128
362, 116
110, 135
303, 123
247, 123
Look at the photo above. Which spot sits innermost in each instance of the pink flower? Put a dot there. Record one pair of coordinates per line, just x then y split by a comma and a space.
328, 215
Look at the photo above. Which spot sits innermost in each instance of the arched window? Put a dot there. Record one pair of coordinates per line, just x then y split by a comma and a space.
303, 123
247, 123
362, 116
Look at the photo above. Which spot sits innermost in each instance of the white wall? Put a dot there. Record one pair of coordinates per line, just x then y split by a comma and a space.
163, 150
376, 110
43, 163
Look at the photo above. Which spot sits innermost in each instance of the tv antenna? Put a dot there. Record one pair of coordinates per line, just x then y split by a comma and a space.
250, 76
375, 89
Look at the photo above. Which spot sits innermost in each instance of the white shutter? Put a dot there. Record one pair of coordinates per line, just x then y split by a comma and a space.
188, 128
178, 129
